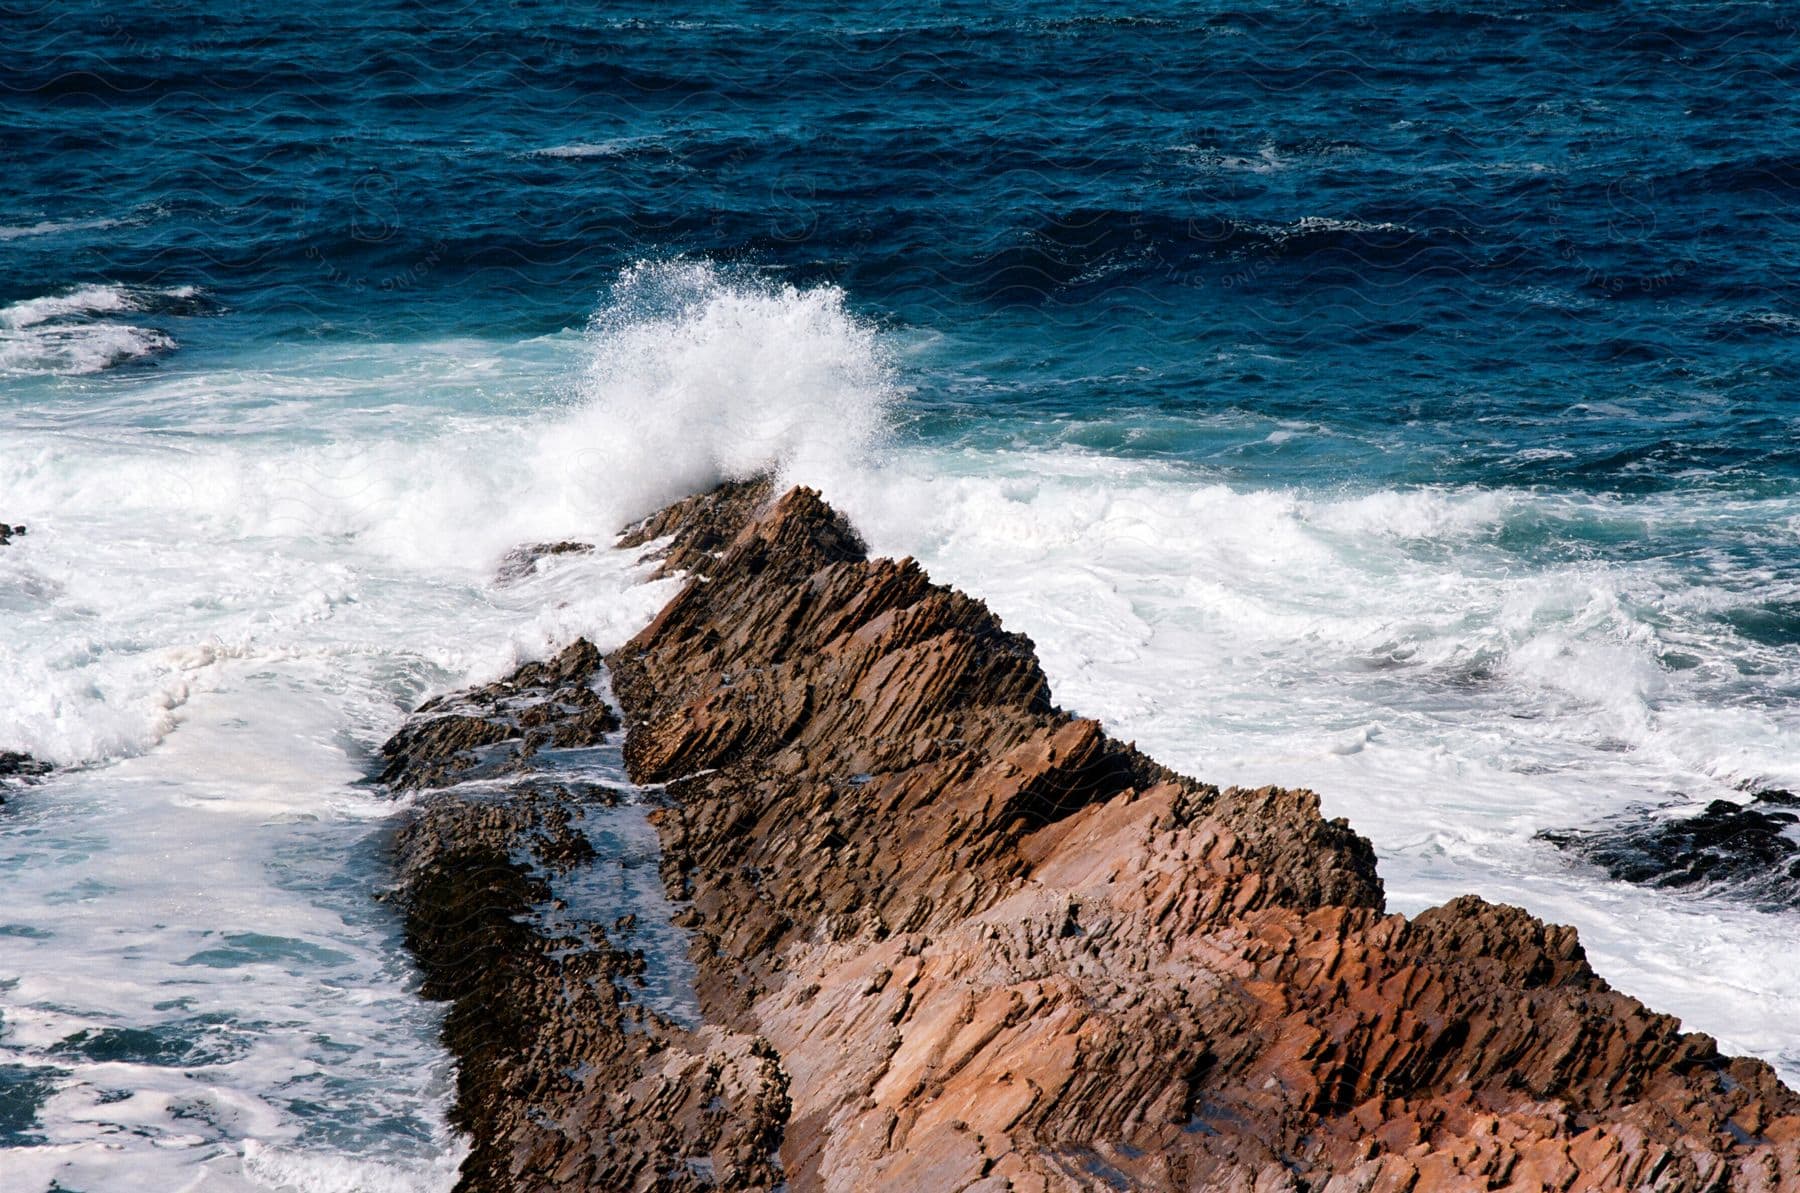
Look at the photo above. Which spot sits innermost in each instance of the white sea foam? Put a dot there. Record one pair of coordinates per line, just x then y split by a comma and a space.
695, 376
1312, 224
216, 890
1424, 514
192, 946
148, 545
82, 300
79, 348
292, 1171
54, 227
611, 148
69, 334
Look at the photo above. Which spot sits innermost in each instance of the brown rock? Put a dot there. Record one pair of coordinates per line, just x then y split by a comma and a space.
699, 527
549, 1041
544, 1017
948, 936
994, 948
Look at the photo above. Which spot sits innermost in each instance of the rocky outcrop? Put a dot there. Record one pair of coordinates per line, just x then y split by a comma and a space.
8, 533
1749, 850
948, 936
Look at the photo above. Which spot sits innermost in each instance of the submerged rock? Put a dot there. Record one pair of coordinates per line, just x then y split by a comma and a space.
523, 561
1749, 850
947, 936
14, 764
16, 768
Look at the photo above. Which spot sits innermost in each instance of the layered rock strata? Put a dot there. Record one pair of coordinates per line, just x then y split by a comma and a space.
947, 936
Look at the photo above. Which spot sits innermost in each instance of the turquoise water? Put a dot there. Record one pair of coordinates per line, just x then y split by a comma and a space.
1378, 397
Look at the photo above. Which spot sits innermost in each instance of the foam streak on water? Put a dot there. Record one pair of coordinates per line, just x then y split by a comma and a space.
196, 964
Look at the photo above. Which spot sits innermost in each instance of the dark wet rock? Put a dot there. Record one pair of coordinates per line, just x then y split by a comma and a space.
1749, 850
544, 1018
17, 769
523, 561
16, 765
492, 730
8, 533
948, 936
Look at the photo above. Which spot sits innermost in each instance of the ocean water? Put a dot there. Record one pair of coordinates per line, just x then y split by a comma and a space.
1390, 398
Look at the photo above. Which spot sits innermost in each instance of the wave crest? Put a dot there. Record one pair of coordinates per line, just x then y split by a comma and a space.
697, 374
70, 333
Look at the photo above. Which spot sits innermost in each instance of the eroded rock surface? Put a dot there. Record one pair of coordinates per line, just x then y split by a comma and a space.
947, 936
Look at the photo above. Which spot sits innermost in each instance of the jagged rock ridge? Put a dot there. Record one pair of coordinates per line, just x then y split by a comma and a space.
969, 942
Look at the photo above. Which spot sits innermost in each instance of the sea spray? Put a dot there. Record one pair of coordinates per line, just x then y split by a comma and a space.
698, 374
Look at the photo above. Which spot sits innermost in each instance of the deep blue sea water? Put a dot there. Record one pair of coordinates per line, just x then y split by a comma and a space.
1460, 239
1394, 398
